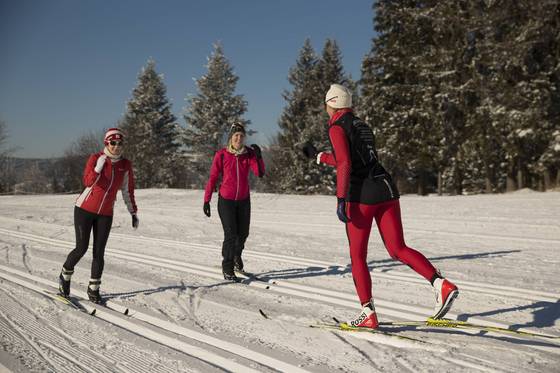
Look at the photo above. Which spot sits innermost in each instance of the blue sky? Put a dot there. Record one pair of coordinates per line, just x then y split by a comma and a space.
68, 67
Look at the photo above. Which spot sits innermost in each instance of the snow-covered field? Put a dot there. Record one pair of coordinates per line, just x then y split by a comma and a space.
502, 251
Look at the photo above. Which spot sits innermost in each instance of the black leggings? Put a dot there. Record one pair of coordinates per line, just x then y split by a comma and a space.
235, 217
84, 221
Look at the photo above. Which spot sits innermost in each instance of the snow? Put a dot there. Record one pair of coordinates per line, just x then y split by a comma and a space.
502, 251
524, 132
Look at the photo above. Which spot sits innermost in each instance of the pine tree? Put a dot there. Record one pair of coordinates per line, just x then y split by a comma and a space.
465, 89
151, 133
516, 70
396, 96
289, 170
304, 119
448, 97
549, 163
211, 113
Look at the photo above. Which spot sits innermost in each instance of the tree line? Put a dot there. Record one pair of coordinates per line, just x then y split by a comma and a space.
463, 97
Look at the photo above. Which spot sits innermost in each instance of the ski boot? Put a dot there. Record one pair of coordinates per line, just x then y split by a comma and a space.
93, 291
64, 282
367, 318
238, 265
446, 292
230, 276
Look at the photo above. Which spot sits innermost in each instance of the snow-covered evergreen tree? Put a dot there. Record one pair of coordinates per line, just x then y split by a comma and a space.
396, 96
289, 170
152, 133
465, 89
515, 68
549, 162
304, 120
211, 113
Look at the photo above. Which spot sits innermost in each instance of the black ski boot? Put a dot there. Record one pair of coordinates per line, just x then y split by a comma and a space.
64, 282
227, 270
63, 286
93, 295
231, 276
238, 264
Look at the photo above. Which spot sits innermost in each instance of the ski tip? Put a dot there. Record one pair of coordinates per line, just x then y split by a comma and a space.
263, 314
92, 313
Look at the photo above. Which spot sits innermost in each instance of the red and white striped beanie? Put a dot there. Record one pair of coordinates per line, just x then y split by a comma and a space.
113, 134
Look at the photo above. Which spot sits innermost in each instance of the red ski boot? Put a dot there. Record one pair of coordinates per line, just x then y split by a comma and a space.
367, 318
446, 292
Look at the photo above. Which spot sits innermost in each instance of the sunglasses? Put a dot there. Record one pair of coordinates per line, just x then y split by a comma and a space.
116, 143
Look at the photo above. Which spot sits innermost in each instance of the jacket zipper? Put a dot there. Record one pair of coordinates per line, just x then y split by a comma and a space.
389, 187
91, 190
237, 171
108, 189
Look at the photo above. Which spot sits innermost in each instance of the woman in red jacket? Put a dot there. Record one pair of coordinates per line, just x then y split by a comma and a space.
105, 173
233, 163
365, 191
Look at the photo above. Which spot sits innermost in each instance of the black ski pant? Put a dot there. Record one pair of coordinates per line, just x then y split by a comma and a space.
235, 217
84, 222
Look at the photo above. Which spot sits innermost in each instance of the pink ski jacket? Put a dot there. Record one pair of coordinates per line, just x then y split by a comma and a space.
234, 170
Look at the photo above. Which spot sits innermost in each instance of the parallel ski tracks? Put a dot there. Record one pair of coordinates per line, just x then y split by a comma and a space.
158, 331
137, 365
74, 350
387, 308
484, 288
309, 292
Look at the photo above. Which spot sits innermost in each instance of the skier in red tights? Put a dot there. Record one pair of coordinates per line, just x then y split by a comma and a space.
365, 191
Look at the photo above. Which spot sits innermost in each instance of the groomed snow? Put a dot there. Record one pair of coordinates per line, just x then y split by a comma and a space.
502, 251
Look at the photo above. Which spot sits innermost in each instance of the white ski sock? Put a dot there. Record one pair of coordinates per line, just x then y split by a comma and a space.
94, 284
66, 274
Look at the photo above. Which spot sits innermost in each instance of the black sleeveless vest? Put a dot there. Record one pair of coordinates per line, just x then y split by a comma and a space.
369, 182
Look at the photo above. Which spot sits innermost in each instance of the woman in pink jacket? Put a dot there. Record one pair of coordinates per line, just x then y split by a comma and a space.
233, 163
105, 174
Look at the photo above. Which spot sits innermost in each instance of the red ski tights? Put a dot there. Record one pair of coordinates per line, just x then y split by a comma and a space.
388, 218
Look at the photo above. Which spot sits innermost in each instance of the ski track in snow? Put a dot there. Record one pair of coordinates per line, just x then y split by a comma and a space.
398, 276
216, 272
147, 256
7, 248
75, 352
470, 364
25, 258
212, 272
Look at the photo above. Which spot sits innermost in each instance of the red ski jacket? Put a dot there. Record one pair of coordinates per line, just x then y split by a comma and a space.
100, 193
234, 170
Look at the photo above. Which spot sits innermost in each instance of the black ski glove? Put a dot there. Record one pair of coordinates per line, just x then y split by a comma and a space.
135, 221
206, 208
341, 210
309, 150
257, 150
